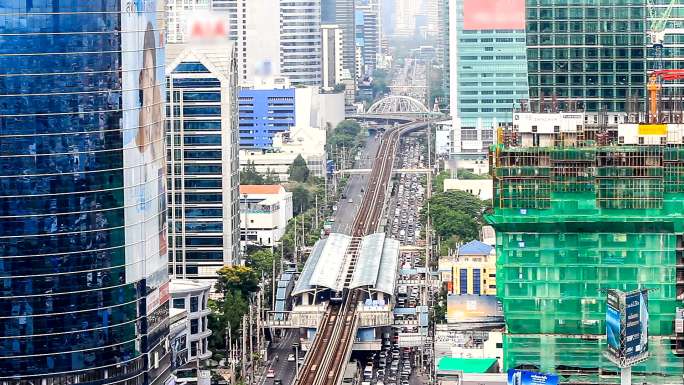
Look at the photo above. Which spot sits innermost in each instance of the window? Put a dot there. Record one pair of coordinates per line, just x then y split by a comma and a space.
179, 303
194, 326
476, 281
463, 278
194, 304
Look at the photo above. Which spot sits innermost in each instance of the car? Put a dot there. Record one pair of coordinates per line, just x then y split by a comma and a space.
350, 200
290, 357
404, 382
277, 381
270, 373
380, 373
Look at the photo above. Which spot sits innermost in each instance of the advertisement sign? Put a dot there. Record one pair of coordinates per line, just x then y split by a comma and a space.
636, 325
524, 377
493, 14
627, 327
142, 61
206, 27
473, 308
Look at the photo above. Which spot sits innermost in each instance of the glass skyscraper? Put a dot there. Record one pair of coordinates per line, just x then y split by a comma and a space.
590, 52
83, 244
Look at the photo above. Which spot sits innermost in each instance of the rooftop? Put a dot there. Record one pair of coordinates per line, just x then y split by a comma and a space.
466, 365
376, 265
475, 248
261, 189
187, 285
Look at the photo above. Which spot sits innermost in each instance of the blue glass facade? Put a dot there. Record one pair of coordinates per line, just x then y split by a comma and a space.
84, 287
263, 113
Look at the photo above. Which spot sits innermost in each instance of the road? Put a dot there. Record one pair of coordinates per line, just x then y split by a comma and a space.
347, 211
284, 369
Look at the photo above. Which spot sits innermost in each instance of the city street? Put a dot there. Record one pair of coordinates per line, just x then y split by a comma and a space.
284, 370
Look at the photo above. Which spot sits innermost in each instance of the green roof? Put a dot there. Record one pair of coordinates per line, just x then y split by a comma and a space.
466, 365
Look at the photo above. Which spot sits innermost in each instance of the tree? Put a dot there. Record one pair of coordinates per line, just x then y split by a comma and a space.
301, 199
456, 216
298, 170
261, 260
226, 312
242, 279
249, 175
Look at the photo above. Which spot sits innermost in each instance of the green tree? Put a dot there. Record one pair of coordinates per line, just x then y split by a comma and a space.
261, 260
301, 198
241, 279
226, 312
249, 175
298, 170
456, 217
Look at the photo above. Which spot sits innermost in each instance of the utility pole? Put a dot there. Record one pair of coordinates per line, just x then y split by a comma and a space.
295, 241
244, 347
273, 284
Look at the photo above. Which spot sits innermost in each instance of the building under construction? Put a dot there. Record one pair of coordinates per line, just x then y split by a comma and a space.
579, 209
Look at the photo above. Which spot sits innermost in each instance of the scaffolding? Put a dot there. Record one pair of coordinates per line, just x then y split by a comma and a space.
571, 222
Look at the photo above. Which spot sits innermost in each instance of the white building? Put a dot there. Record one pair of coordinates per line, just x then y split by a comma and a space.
481, 188
259, 39
309, 142
204, 227
191, 296
264, 213
300, 48
331, 58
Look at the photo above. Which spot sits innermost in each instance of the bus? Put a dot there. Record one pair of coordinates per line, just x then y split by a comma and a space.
352, 373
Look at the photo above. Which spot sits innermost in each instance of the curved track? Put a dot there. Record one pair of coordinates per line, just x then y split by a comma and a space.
331, 348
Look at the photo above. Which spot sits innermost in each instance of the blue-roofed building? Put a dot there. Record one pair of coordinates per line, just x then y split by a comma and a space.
472, 270
263, 113
475, 248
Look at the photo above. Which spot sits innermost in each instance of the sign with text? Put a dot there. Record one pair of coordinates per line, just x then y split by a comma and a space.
493, 14
627, 327
524, 377
207, 27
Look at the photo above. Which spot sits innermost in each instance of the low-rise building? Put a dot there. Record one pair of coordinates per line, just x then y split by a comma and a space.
309, 142
191, 296
264, 213
474, 269
481, 188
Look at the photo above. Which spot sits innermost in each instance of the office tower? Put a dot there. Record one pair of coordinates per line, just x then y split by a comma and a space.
443, 42
253, 24
204, 224
431, 10
263, 112
83, 243
593, 54
368, 34
668, 15
578, 210
405, 14
300, 48
488, 69
341, 12
331, 58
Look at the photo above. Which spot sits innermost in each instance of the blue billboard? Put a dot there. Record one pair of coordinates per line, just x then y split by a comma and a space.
627, 327
524, 377
636, 325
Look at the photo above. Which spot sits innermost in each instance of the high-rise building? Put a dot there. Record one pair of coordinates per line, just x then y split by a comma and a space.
590, 53
332, 44
300, 47
253, 24
83, 238
263, 113
672, 54
259, 40
204, 223
405, 14
341, 12
488, 69
443, 42
368, 34
579, 209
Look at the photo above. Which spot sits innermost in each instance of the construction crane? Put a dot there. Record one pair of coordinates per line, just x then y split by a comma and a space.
654, 87
657, 29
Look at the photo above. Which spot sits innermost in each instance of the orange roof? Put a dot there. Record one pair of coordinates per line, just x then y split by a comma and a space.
260, 188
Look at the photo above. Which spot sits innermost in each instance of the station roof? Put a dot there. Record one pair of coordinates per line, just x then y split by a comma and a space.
376, 265
324, 265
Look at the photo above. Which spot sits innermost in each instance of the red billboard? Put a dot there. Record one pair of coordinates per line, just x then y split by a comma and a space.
493, 14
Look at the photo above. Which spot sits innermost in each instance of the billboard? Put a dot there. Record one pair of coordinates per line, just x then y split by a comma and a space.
493, 14
473, 308
627, 327
524, 377
144, 174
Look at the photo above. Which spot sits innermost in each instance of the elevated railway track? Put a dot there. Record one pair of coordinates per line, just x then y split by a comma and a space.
325, 362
